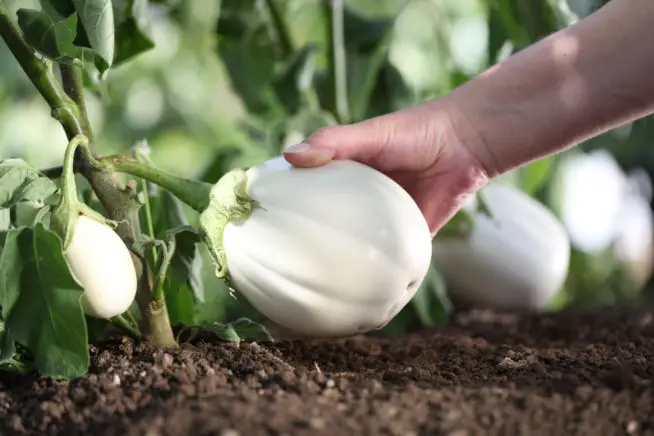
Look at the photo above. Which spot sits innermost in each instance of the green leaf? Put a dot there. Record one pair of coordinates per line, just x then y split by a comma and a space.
19, 181
364, 33
222, 162
251, 71
186, 262
186, 265
133, 29
181, 305
391, 92
11, 358
41, 302
97, 17
144, 243
27, 212
182, 284
239, 19
53, 39
497, 34
249, 54
240, 330
296, 79
526, 22
36, 190
431, 302
58, 9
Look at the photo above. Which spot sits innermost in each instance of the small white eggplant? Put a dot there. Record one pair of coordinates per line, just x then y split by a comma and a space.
516, 260
96, 256
328, 251
102, 264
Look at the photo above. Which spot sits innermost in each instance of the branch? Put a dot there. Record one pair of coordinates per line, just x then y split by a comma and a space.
40, 73
71, 76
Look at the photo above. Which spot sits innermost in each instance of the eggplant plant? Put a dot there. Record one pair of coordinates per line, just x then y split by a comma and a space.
332, 251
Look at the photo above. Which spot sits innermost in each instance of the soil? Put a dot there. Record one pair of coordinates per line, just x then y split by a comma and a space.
484, 373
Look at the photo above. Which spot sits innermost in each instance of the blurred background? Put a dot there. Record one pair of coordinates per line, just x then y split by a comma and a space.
230, 83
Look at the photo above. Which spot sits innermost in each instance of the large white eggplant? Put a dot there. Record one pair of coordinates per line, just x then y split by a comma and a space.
328, 251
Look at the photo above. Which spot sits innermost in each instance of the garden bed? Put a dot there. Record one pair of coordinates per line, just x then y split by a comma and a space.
483, 373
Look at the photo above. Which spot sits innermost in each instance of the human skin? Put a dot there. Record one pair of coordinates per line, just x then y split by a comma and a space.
571, 86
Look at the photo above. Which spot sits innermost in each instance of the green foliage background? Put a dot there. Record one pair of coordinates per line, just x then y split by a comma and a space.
230, 83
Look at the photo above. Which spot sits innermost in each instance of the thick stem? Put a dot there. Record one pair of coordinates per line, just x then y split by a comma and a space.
159, 333
71, 76
194, 193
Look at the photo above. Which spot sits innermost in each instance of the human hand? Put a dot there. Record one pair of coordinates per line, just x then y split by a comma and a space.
426, 149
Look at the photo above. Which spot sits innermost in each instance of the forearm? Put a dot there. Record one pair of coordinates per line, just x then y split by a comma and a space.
573, 85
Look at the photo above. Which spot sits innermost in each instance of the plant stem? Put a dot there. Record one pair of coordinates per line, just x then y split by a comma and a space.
337, 58
71, 77
192, 192
158, 324
169, 252
40, 73
148, 217
68, 107
123, 324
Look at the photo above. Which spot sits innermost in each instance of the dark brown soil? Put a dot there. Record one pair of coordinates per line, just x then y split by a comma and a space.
483, 374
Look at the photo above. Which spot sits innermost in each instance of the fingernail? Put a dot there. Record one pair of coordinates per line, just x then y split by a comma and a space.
307, 155
298, 148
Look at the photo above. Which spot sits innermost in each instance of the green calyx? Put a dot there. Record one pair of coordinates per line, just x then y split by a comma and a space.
228, 201
65, 214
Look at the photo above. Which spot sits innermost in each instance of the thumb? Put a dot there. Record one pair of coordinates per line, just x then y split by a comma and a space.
360, 141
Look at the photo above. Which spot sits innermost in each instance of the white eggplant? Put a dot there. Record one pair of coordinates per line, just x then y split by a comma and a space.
518, 259
634, 242
102, 264
325, 252
96, 256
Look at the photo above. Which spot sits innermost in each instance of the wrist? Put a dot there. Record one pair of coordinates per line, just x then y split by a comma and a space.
469, 137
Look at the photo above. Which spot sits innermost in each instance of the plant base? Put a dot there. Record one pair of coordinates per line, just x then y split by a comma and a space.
157, 330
